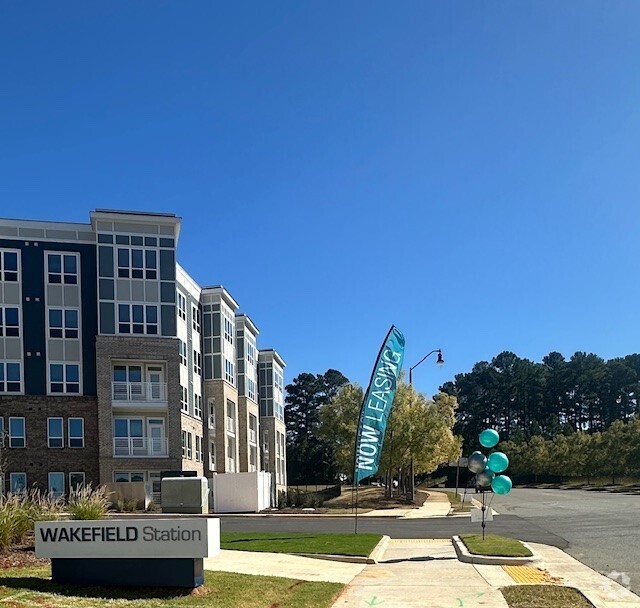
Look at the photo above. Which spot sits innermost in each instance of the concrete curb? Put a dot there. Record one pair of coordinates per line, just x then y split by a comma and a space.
376, 554
470, 558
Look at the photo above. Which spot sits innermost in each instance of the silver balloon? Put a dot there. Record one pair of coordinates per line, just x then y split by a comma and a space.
477, 462
485, 478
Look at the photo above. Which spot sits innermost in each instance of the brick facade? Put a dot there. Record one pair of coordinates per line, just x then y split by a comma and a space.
37, 459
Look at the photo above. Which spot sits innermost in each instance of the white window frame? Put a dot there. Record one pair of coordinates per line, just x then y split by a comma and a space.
181, 305
79, 486
145, 271
184, 399
184, 443
11, 478
8, 275
197, 406
66, 331
66, 384
4, 382
66, 278
4, 328
22, 437
229, 371
182, 349
59, 493
189, 446
71, 437
51, 437
198, 448
146, 325
197, 362
2, 433
196, 319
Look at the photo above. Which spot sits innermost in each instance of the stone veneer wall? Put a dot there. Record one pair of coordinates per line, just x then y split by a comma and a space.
137, 348
220, 391
245, 407
37, 459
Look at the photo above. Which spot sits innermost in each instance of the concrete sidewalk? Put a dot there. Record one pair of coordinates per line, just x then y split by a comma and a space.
436, 505
423, 572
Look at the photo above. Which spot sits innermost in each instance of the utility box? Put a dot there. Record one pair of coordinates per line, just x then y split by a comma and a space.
241, 492
185, 495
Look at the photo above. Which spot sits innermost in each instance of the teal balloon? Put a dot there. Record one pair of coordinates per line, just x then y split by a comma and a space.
497, 462
489, 438
501, 484
485, 478
477, 462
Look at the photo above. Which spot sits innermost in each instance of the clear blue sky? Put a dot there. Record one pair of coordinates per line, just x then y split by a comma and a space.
465, 170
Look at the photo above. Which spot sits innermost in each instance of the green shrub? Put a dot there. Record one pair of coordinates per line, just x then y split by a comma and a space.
152, 507
19, 512
130, 506
282, 499
88, 503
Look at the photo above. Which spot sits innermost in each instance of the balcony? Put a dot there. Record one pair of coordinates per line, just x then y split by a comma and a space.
140, 447
139, 394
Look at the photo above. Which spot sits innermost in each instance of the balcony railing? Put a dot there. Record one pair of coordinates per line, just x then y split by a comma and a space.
138, 392
148, 447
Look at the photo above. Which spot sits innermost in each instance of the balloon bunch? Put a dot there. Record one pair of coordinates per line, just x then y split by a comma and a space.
487, 469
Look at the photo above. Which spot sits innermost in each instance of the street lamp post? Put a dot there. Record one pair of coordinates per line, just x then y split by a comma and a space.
440, 363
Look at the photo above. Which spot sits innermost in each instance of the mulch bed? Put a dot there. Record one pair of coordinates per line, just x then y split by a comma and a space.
22, 556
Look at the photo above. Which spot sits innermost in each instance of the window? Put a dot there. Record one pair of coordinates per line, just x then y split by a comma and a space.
184, 444
231, 417
64, 378
137, 319
212, 414
212, 455
229, 371
76, 480
183, 352
197, 362
9, 265
198, 449
2, 439
277, 380
251, 352
18, 483
55, 437
137, 263
56, 485
253, 458
231, 458
182, 306
127, 437
9, 322
17, 434
63, 323
125, 476
197, 406
228, 330
253, 429
251, 389
9, 377
76, 432
195, 316
189, 445
184, 399
62, 268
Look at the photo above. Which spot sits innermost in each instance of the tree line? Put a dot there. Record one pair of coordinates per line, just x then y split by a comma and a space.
523, 399
608, 454
321, 413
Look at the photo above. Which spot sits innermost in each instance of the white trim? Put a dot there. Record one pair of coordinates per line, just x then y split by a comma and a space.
49, 437
69, 437
24, 437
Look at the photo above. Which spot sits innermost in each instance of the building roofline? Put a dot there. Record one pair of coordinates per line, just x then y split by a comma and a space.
275, 355
248, 322
226, 296
131, 212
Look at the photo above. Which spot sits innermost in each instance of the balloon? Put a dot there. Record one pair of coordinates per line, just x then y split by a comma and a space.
498, 462
485, 478
477, 462
489, 438
501, 484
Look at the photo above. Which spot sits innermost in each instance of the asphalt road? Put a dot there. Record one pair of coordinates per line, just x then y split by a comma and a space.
601, 529
598, 528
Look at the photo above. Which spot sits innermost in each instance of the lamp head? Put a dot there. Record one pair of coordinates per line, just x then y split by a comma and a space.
440, 360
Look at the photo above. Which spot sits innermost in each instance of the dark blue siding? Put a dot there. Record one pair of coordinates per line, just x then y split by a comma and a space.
33, 286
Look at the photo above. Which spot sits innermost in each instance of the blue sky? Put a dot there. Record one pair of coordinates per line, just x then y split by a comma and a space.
466, 170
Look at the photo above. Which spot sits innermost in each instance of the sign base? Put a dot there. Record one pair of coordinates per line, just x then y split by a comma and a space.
128, 572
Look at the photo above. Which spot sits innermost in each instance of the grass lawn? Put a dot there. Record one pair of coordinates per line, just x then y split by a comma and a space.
300, 542
28, 587
544, 596
494, 545
457, 505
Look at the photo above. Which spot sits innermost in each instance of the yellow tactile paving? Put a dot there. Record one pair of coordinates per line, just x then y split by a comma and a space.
527, 575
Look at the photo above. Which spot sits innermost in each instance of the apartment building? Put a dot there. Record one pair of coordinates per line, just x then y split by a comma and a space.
115, 365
